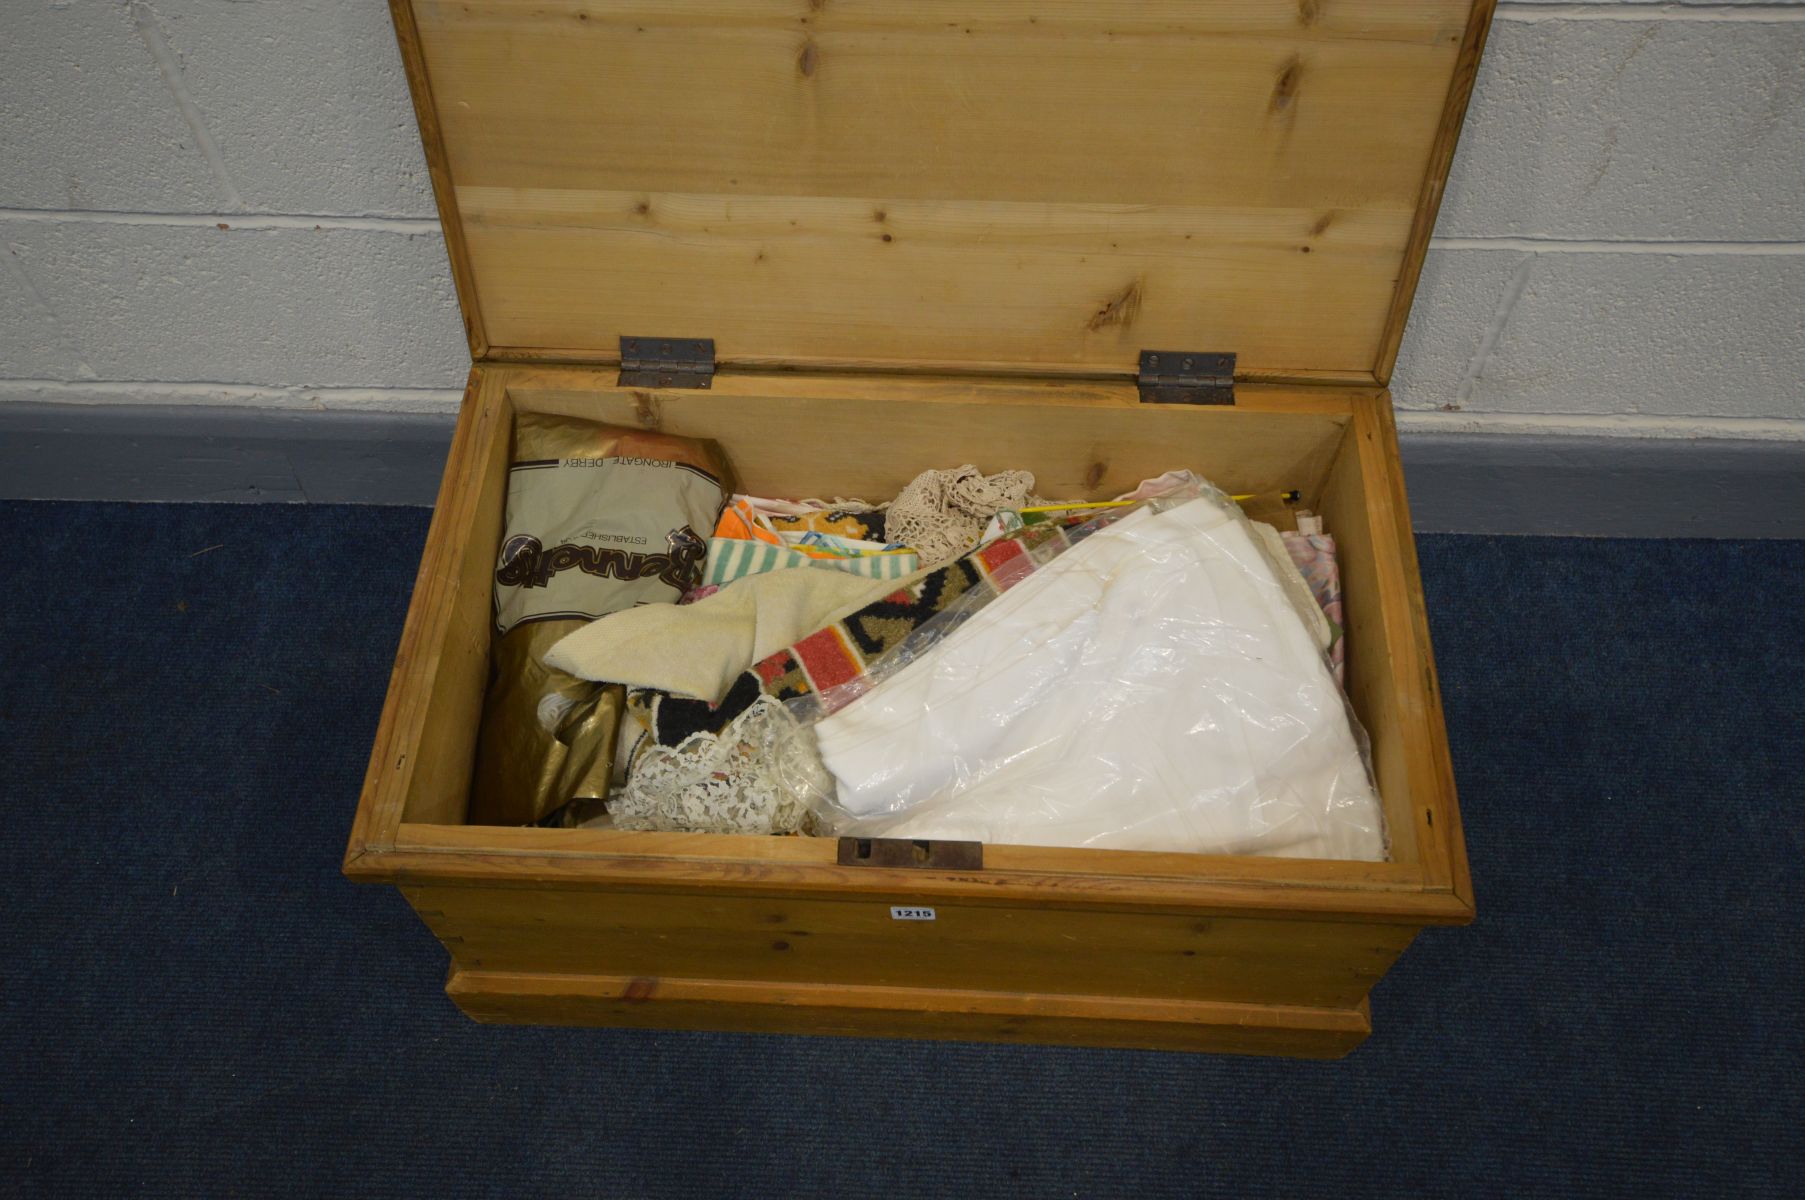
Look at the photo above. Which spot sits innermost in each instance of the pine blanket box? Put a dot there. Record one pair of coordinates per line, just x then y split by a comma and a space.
853, 239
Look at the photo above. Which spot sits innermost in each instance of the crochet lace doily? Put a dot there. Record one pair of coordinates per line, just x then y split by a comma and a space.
942, 513
751, 778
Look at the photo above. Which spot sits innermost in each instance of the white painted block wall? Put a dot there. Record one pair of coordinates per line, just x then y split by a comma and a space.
224, 202
1622, 244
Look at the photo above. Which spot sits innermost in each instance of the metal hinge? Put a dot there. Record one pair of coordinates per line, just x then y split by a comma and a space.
1186, 377
666, 362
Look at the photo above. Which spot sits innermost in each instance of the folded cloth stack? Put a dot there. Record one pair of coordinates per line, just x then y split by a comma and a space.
735, 558
939, 516
767, 519
1152, 688
755, 535
696, 651
1148, 678
835, 654
683, 745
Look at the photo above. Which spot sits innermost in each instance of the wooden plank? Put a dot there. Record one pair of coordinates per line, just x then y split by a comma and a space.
1310, 21
439, 788
1049, 948
415, 741
438, 169
1098, 441
1063, 112
526, 379
1395, 693
896, 282
801, 1008
1437, 804
1006, 869
566, 356
1003, 183
999, 860
1441, 158
1347, 517
1390, 893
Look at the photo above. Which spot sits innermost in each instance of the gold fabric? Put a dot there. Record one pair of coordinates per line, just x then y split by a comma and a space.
617, 519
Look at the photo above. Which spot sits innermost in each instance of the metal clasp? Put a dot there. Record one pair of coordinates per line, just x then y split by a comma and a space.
908, 852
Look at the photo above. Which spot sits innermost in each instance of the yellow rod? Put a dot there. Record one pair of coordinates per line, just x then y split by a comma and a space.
1034, 508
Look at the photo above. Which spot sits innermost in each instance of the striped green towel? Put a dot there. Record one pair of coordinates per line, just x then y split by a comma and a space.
735, 558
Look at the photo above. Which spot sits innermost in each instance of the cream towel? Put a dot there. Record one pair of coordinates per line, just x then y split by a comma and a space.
697, 650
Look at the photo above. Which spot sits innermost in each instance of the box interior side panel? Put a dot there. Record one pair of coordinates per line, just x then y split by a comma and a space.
1347, 517
1099, 444
439, 791
1435, 813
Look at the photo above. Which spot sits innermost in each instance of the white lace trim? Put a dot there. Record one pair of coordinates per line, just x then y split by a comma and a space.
726, 783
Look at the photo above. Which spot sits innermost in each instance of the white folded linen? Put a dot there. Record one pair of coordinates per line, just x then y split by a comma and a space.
1152, 688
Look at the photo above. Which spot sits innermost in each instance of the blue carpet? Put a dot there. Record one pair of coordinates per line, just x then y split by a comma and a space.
195, 1003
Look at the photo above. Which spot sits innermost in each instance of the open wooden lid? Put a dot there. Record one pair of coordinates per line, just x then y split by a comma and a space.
1045, 186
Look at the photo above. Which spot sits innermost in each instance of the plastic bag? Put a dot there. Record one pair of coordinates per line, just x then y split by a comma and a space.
1152, 687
